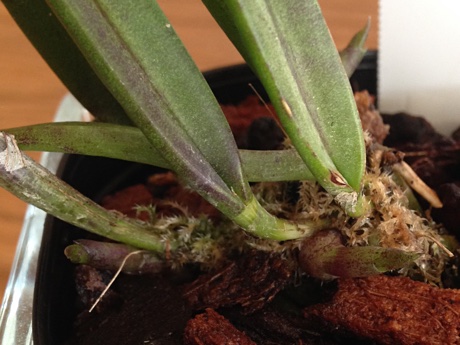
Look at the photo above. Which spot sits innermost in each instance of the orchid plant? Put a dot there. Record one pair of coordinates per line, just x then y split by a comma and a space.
123, 61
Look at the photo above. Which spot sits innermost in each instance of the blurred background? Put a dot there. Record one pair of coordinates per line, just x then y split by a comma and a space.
30, 93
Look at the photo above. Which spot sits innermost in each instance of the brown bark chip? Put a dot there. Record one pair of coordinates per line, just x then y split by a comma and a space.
126, 200
392, 310
371, 120
211, 328
250, 282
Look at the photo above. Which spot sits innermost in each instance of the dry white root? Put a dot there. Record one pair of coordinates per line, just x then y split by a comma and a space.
417, 184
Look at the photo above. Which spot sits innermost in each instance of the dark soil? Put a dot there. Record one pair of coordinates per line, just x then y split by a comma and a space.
435, 158
264, 306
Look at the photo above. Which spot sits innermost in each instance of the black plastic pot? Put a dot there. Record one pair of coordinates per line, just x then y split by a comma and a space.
54, 311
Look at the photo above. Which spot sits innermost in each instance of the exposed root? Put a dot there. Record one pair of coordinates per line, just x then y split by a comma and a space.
114, 278
417, 184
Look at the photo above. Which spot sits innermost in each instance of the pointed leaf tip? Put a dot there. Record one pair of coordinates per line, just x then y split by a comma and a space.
352, 55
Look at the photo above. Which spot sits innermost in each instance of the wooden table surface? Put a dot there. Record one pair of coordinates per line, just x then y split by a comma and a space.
30, 93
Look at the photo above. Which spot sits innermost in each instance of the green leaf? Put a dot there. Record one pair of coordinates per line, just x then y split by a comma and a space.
352, 55
50, 39
30, 182
288, 45
137, 55
109, 140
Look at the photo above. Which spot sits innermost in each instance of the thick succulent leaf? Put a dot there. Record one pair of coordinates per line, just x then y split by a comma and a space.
136, 53
109, 140
54, 44
288, 45
140, 59
273, 166
352, 55
32, 183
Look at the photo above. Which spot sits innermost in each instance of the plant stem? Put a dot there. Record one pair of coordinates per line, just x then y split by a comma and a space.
256, 220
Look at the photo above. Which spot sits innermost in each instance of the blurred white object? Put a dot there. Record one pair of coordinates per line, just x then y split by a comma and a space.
419, 60
16, 309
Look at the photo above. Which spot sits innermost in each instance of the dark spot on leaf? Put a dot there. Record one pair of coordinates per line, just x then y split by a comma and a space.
337, 179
